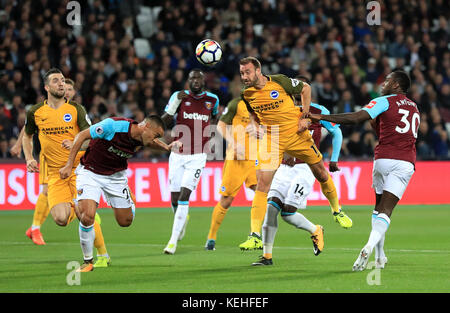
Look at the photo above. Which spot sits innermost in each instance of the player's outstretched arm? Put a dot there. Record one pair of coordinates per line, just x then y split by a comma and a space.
80, 138
342, 118
27, 142
158, 144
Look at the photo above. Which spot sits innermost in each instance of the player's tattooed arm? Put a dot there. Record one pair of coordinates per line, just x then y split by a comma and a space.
80, 138
305, 122
342, 118
67, 144
16, 150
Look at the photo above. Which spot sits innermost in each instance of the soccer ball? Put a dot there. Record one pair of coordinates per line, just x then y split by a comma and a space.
208, 52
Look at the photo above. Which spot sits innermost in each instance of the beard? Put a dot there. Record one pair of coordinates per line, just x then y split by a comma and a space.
57, 94
251, 83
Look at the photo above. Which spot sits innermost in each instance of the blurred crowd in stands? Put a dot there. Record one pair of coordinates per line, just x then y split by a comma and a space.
128, 56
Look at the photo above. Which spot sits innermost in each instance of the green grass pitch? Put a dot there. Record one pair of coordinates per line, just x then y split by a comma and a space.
417, 245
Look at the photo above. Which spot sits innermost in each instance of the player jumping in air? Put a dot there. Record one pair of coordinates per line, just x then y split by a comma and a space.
194, 109
396, 121
239, 166
103, 168
292, 184
270, 102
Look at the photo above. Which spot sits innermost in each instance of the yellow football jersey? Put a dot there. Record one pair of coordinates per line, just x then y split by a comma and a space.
54, 126
236, 114
274, 103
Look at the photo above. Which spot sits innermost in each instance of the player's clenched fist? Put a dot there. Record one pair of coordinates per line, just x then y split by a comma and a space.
32, 166
255, 130
65, 171
175, 145
303, 124
67, 144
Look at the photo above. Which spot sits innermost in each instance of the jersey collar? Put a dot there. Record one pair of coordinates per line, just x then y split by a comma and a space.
200, 95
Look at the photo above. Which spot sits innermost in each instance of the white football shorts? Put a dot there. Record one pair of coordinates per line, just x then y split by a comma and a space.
115, 187
392, 176
185, 170
292, 185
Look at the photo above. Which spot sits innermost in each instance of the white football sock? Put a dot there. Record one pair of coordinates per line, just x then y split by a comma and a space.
299, 220
270, 227
379, 227
179, 220
379, 247
87, 237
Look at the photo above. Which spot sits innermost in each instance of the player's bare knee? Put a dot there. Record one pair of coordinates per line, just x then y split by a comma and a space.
125, 221
289, 209
321, 175
87, 220
60, 216
225, 201
45, 190
277, 201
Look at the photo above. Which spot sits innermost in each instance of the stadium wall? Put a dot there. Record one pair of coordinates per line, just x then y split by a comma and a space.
149, 181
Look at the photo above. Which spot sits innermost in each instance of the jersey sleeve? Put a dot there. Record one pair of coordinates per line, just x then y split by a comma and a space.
30, 125
335, 132
230, 111
292, 86
103, 129
376, 106
82, 117
174, 103
215, 110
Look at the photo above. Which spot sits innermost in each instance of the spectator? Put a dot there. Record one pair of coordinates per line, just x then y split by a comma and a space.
328, 41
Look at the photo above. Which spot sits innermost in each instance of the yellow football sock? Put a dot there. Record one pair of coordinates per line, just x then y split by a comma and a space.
41, 210
329, 191
99, 241
267, 255
258, 211
216, 220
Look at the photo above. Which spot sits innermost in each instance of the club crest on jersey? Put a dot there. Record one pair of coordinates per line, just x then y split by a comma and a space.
208, 105
67, 117
223, 188
80, 191
274, 94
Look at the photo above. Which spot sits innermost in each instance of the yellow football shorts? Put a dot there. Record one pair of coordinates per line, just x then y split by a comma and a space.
275, 144
60, 190
43, 170
234, 174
